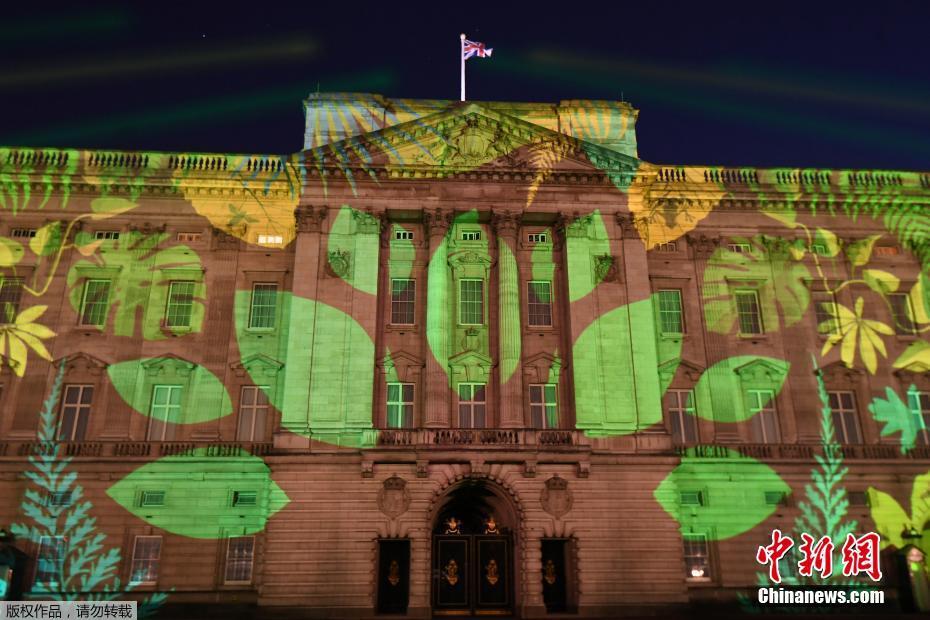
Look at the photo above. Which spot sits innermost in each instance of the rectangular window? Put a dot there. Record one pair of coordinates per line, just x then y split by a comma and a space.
544, 408
681, 416
264, 302
244, 498
776, 498
764, 417
180, 304
23, 233
697, 557
165, 412
539, 298
826, 312
190, 237
667, 248
843, 410
146, 554
919, 403
472, 404
50, 561
239, 554
740, 248
819, 249
902, 313
886, 250
747, 311
691, 498
11, 292
670, 315
403, 235
271, 239
108, 235
537, 238
95, 302
403, 301
75, 412
152, 499
400, 405
471, 235
253, 412
471, 302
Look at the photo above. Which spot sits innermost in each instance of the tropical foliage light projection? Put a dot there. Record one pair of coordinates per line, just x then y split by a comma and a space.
815, 265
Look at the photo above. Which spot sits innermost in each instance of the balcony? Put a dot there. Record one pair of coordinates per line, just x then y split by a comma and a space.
482, 438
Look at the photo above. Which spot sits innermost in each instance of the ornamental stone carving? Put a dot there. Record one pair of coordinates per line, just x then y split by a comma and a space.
437, 221
339, 263
556, 498
506, 223
366, 223
309, 218
605, 268
393, 498
703, 245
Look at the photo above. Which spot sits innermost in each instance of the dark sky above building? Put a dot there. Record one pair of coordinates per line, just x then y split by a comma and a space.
798, 84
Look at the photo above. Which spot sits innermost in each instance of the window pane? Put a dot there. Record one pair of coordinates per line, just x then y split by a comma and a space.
536, 395
539, 303
180, 304
95, 302
479, 393
747, 307
901, 313
471, 302
239, 553
670, 319
826, 311
264, 300
145, 558
11, 291
403, 301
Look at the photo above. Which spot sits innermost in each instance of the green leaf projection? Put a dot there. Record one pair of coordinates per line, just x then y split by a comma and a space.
744, 267
726, 494
144, 272
202, 396
720, 390
234, 496
892, 521
898, 417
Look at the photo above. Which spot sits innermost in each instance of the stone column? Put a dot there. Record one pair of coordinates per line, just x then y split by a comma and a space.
438, 320
509, 334
295, 412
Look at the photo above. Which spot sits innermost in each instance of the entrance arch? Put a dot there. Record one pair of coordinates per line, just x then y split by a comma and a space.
475, 527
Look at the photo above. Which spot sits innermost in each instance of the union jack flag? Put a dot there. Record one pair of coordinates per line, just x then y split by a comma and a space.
473, 48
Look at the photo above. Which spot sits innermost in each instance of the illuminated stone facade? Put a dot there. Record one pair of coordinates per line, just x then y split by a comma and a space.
295, 370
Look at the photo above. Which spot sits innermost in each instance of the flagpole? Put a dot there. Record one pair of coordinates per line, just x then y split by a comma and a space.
462, 59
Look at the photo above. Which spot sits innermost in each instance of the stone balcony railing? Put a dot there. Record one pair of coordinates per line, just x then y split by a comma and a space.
803, 452
484, 438
130, 449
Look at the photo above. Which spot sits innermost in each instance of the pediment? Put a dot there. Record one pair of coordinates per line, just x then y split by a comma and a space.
689, 370
257, 363
838, 371
760, 370
398, 359
466, 137
81, 362
168, 364
470, 358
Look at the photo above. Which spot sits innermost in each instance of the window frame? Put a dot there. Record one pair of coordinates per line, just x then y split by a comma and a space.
405, 304
548, 412
538, 305
401, 403
156, 560
819, 313
253, 305
704, 540
462, 301
758, 311
171, 303
923, 434
153, 421
472, 404
682, 413
227, 565
61, 548
908, 329
15, 284
81, 410
83, 314
256, 410
757, 419
845, 414
663, 312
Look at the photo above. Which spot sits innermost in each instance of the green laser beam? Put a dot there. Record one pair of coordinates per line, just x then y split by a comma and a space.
204, 111
83, 23
187, 59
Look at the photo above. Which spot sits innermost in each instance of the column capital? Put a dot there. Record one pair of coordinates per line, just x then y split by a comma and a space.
506, 223
437, 221
627, 224
703, 245
309, 218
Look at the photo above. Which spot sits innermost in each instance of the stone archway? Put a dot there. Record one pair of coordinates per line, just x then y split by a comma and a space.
474, 550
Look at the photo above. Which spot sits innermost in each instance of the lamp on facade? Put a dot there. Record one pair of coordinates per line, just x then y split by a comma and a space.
910, 534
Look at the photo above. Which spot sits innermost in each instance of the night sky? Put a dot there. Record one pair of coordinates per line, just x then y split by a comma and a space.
799, 84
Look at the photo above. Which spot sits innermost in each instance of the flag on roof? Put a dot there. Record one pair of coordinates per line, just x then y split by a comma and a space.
473, 48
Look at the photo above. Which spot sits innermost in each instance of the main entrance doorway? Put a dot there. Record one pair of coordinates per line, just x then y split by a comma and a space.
473, 554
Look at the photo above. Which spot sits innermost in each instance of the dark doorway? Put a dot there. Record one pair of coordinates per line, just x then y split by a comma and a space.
393, 576
555, 574
472, 555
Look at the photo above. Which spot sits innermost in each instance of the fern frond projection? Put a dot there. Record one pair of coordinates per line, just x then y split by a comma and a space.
84, 569
543, 157
910, 223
